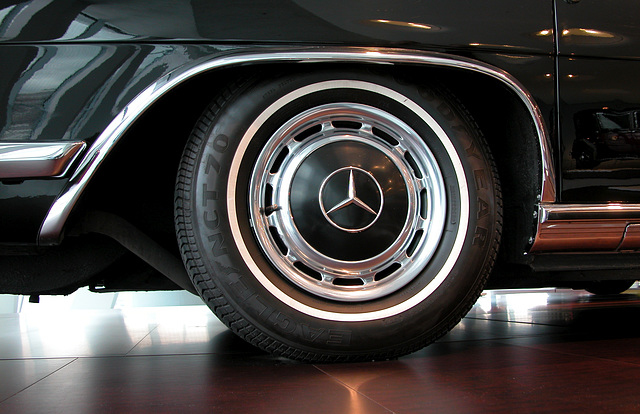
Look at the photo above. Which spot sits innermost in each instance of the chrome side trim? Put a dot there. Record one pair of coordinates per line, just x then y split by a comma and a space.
37, 159
567, 212
584, 227
52, 226
631, 238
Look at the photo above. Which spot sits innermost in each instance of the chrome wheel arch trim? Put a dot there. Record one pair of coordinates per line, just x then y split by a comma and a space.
53, 224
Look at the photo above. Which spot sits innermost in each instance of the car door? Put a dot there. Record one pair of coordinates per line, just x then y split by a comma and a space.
599, 100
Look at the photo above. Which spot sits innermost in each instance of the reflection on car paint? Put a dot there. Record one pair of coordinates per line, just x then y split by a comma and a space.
604, 135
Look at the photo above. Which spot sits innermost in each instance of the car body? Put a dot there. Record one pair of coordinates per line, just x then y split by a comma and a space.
99, 101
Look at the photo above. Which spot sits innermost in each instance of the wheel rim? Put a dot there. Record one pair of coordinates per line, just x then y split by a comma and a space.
347, 202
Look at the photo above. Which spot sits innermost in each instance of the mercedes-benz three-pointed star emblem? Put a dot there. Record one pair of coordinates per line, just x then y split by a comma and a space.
364, 213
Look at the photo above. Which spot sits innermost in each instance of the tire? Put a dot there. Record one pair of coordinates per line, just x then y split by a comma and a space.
608, 287
337, 215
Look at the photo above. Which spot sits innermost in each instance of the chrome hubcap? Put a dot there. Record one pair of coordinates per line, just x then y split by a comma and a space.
347, 202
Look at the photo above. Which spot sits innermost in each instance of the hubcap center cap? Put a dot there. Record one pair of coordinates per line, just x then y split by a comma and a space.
351, 199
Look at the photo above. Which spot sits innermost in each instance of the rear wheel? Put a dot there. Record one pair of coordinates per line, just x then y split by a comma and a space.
608, 287
338, 215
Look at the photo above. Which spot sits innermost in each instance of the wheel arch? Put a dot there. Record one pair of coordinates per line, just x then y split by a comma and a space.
523, 163
454, 72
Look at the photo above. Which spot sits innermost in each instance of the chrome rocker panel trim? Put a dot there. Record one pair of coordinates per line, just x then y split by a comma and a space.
588, 227
52, 227
21, 160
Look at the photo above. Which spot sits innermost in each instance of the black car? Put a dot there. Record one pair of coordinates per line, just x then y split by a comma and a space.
337, 180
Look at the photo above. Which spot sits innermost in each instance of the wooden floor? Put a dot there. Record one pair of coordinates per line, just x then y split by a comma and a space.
524, 352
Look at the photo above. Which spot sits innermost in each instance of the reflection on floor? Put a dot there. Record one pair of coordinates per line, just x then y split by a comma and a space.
533, 351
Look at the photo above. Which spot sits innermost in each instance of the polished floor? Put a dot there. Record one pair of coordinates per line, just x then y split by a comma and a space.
516, 351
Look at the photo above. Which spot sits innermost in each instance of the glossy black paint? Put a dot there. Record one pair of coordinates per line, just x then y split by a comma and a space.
23, 204
599, 86
506, 25
91, 82
92, 79
605, 28
599, 44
